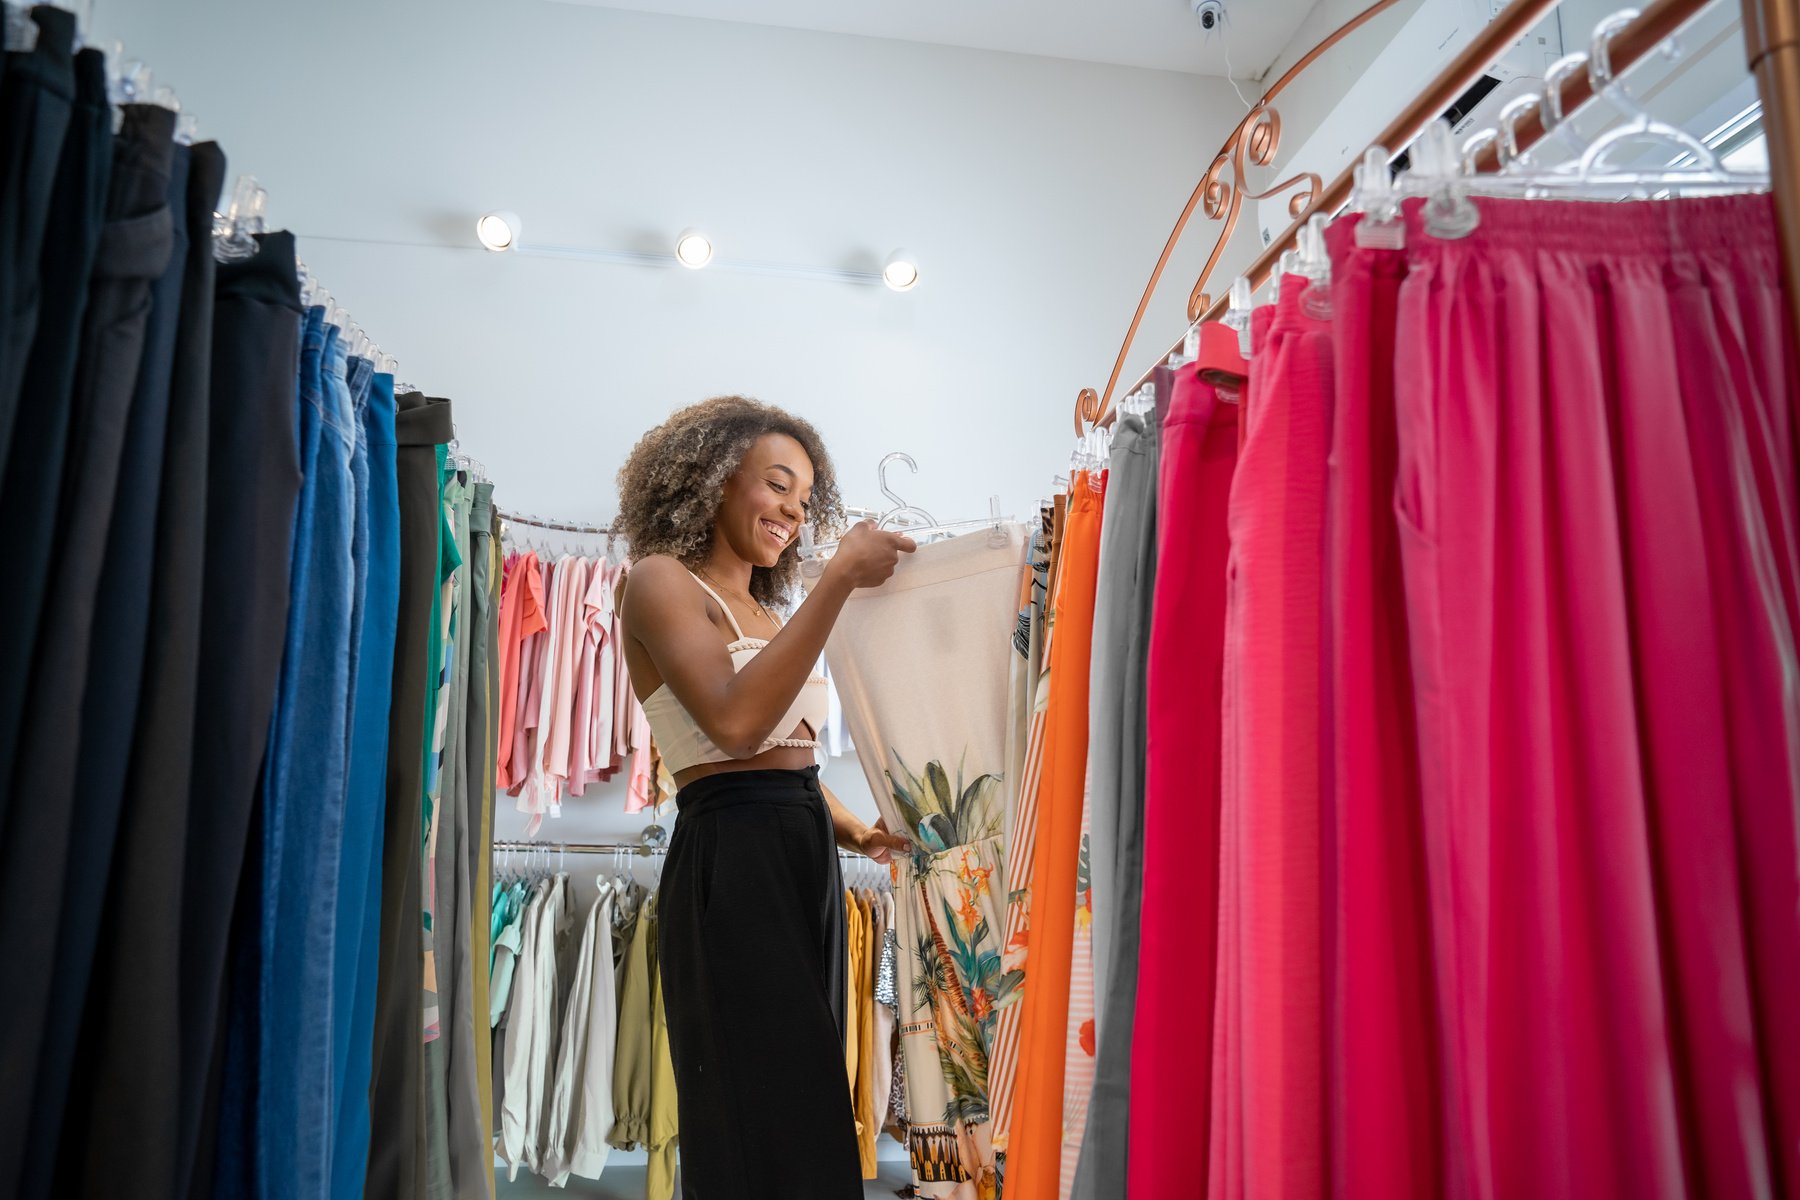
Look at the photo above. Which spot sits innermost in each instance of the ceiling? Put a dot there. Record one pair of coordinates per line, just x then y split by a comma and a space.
1160, 34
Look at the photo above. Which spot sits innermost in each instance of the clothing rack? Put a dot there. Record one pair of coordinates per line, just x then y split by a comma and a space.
611, 531
637, 848
1772, 38
584, 847
564, 526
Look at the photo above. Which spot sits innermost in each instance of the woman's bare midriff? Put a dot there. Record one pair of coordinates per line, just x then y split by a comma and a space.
776, 758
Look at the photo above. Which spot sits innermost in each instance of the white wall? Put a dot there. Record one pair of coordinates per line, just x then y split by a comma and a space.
1035, 192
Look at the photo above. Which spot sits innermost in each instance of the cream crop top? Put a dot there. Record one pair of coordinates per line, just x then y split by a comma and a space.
684, 744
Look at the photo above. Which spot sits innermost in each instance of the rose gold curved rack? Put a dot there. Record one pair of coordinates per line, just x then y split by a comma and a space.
1772, 35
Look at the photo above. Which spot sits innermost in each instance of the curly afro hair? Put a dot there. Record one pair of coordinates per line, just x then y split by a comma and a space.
671, 485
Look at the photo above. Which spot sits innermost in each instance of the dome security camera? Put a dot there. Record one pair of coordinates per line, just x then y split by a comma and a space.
1210, 14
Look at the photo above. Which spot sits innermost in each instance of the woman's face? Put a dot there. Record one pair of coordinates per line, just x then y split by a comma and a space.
767, 500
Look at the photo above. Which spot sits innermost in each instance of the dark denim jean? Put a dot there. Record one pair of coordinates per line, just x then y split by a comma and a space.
359, 910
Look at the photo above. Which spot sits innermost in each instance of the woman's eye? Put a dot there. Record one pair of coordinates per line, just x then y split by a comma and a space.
778, 487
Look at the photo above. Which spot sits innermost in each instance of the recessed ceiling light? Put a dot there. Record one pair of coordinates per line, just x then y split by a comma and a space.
693, 249
901, 272
498, 231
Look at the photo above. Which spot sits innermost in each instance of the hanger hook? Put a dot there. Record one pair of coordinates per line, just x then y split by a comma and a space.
1471, 151
896, 456
901, 507
1508, 148
1599, 65
1552, 112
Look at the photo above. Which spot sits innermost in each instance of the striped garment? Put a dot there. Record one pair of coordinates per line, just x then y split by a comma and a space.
1022, 845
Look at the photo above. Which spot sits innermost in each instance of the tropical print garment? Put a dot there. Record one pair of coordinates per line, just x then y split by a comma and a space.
951, 903
447, 615
922, 667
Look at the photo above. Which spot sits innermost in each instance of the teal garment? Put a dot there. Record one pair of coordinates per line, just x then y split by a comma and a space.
511, 938
508, 900
440, 901
496, 918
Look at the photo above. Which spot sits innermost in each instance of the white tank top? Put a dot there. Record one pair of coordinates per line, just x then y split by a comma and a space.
684, 744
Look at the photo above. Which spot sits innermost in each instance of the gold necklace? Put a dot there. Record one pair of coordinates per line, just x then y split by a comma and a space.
750, 600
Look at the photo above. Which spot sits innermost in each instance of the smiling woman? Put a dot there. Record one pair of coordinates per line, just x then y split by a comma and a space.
713, 501
671, 487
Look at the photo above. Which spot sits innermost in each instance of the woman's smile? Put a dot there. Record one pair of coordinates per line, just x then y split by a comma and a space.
777, 531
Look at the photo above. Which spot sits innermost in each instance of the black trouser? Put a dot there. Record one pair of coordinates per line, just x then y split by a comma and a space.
31, 472
396, 1122
252, 483
31, 487
108, 709
129, 1083
752, 889
35, 849
37, 95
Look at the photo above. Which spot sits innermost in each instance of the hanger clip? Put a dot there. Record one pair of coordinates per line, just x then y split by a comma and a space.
1315, 267
1381, 227
1237, 314
234, 238
1449, 213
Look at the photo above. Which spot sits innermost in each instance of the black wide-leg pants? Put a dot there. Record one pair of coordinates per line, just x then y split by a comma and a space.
751, 946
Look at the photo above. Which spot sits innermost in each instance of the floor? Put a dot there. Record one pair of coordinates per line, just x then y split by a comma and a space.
627, 1183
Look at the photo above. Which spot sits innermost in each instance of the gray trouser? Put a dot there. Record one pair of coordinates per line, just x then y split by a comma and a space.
1116, 717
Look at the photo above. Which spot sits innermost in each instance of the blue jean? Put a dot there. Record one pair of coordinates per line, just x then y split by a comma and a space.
304, 793
359, 908
353, 861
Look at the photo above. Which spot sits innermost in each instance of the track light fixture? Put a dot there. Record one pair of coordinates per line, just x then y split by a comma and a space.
901, 271
502, 232
693, 249
499, 231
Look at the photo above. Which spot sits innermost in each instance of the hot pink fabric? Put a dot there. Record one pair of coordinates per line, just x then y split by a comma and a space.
509, 664
1172, 1031
1268, 1041
1597, 504
528, 579
533, 668
1383, 1110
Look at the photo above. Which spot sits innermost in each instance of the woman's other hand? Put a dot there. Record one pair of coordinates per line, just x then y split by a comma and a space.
877, 843
867, 556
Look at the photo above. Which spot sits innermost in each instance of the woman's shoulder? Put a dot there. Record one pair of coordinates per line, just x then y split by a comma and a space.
658, 577
655, 570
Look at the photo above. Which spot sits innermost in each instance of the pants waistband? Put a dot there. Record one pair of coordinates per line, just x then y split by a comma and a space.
729, 789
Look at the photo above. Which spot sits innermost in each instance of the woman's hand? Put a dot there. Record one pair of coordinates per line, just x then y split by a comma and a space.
877, 843
867, 556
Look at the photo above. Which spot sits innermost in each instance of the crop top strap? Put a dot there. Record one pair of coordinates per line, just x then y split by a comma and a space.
720, 601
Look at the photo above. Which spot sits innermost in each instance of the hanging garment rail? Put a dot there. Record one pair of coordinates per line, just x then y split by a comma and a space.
856, 514
1772, 34
564, 526
637, 848
585, 847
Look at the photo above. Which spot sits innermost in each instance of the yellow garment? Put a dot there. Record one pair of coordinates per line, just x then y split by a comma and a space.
664, 1123
643, 1071
665, 782
862, 1034
853, 940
